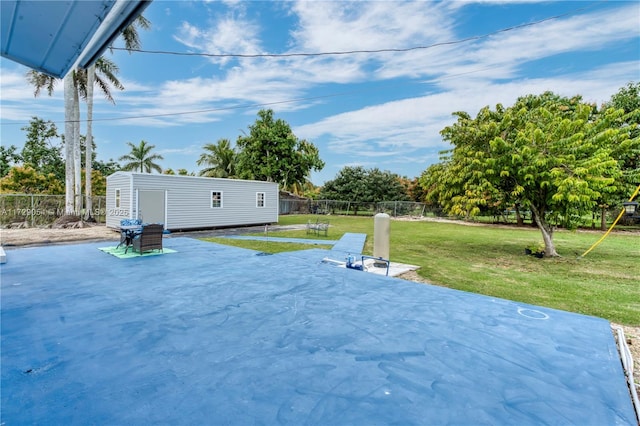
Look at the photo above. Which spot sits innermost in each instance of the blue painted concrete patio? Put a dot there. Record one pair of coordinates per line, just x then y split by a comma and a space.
349, 243
220, 335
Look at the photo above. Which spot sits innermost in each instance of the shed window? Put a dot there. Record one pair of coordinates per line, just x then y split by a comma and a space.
259, 199
216, 199
117, 198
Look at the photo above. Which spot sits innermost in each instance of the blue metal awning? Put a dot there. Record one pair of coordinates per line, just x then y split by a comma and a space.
56, 36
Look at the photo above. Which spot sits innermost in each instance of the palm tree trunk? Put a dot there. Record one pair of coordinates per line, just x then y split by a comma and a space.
68, 144
91, 76
77, 166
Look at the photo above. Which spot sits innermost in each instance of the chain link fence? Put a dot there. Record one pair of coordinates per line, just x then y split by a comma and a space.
392, 208
416, 210
34, 210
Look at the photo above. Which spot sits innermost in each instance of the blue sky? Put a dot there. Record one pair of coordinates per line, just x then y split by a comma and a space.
380, 110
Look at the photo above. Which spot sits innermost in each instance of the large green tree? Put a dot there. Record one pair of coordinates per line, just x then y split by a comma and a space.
553, 155
431, 183
627, 99
43, 156
8, 158
271, 152
106, 167
40, 151
141, 159
350, 184
360, 185
219, 160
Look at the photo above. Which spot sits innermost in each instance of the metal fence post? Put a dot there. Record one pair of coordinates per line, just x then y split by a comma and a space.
33, 210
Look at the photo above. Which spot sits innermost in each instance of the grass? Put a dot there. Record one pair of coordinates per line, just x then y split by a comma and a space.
490, 260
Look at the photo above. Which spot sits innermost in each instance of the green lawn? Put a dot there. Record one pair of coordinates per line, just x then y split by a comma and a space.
490, 260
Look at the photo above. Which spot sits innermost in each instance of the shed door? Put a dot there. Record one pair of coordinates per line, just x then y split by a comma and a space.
151, 206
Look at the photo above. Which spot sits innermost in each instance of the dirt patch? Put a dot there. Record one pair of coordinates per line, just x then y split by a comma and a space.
41, 236
83, 231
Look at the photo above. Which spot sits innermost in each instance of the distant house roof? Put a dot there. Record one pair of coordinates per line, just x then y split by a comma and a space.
291, 196
56, 36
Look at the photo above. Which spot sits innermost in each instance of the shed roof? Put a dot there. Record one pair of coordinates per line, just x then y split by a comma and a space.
129, 174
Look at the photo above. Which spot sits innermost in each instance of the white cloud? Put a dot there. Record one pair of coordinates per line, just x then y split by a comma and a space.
586, 32
18, 100
501, 56
227, 34
343, 26
187, 150
404, 126
15, 86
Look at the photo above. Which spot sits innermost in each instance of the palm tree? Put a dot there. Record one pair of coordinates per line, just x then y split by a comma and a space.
140, 159
220, 159
75, 86
39, 81
301, 188
102, 73
88, 150
131, 41
130, 34
70, 106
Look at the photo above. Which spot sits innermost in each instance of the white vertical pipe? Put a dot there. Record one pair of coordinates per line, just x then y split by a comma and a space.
381, 235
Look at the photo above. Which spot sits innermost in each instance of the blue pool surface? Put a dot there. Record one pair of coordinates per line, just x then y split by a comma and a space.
217, 335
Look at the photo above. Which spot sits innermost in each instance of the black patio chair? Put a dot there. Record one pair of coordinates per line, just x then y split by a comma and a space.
149, 239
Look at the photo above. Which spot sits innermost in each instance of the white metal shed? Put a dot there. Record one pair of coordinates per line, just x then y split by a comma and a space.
189, 202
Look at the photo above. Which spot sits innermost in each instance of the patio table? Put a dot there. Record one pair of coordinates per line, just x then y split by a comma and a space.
129, 232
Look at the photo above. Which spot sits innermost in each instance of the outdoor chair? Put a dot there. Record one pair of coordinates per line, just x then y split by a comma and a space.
311, 226
318, 227
322, 227
149, 239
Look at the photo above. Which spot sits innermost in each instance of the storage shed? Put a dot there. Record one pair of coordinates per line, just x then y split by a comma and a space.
189, 202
